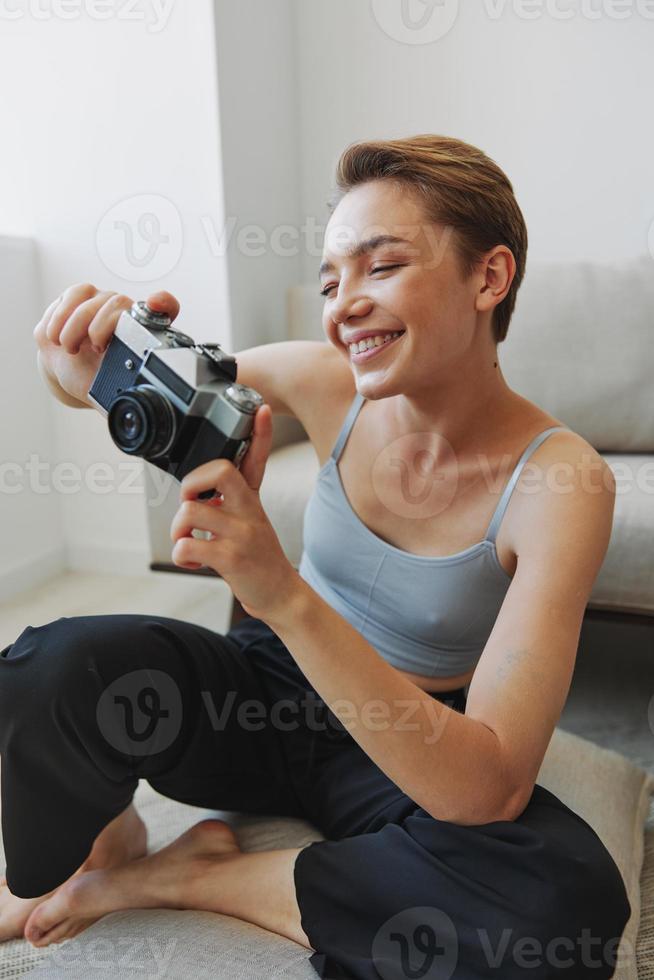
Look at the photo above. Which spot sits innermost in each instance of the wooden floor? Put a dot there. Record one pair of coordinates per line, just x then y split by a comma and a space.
611, 700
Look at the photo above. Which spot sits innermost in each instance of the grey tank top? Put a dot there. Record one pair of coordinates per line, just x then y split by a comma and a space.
425, 615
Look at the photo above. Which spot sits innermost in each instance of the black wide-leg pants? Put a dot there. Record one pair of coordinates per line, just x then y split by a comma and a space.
89, 705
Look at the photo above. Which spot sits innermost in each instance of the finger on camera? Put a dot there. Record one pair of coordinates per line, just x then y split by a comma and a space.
39, 333
76, 327
104, 323
68, 303
163, 302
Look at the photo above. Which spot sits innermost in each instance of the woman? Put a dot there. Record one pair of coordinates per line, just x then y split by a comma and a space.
409, 675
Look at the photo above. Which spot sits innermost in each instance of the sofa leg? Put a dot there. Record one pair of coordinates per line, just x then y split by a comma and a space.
238, 612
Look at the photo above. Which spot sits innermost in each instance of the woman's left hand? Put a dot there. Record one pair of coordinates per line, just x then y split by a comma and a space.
244, 549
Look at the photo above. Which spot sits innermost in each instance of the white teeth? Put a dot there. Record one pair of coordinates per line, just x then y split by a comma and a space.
376, 341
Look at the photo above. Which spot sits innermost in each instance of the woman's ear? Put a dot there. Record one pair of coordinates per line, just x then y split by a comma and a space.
497, 272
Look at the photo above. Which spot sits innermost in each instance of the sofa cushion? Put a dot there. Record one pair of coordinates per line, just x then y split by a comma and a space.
626, 579
579, 346
602, 786
645, 941
287, 484
615, 797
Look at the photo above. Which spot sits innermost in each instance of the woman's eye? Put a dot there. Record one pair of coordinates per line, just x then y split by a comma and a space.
379, 268
385, 268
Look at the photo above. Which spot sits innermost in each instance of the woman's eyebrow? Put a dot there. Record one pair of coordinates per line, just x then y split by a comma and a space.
362, 248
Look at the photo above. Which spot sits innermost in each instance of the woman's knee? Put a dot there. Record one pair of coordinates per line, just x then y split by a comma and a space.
422, 911
575, 920
67, 658
114, 682
596, 908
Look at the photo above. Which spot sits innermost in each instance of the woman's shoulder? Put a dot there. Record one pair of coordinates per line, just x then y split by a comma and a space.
558, 476
327, 394
564, 442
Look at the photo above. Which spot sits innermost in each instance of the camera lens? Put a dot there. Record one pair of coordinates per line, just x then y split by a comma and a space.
142, 422
130, 423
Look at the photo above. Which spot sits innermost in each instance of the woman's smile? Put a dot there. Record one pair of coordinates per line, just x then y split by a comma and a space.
366, 355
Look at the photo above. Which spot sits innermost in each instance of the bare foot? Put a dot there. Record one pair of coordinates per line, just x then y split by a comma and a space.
122, 840
160, 880
14, 912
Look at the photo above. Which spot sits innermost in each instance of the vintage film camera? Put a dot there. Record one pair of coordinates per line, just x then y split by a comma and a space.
172, 401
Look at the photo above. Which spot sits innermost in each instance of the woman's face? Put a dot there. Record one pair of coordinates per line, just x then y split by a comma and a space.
374, 286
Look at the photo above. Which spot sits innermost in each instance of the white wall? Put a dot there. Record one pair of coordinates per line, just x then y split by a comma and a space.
258, 96
95, 113
30, 532
563, 106
187, 113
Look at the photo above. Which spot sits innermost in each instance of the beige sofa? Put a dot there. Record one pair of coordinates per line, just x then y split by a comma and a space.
580, 346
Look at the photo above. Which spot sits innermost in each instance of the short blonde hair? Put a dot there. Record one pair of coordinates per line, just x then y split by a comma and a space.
460, 187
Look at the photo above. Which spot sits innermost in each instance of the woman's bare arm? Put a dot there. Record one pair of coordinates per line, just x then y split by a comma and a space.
478, 767
76, 328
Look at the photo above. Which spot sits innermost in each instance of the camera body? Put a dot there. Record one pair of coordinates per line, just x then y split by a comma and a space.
169, 400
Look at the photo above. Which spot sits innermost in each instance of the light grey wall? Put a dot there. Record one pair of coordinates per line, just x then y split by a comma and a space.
258, 100
33, 546
561, 102
105, 123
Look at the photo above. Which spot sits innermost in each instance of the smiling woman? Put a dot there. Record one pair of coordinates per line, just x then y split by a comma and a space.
426, 566
460, 189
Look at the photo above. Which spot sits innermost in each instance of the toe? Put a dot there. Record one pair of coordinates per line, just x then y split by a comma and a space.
60, 932
47, 915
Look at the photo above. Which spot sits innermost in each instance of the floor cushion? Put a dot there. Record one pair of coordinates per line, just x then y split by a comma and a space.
605, 788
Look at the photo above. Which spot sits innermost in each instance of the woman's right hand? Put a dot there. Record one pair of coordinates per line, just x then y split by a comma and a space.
75, 330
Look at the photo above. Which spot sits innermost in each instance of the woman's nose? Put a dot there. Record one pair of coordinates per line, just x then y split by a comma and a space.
347, 306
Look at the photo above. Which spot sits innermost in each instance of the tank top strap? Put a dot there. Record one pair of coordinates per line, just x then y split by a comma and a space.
496, 520
347, 425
